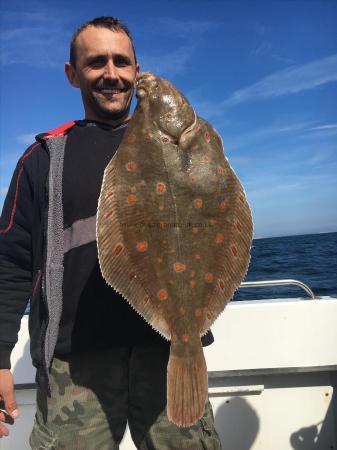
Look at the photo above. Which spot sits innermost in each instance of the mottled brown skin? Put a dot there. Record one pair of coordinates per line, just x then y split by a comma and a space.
174, 232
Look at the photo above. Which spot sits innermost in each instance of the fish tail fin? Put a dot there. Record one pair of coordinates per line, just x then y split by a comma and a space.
187, 388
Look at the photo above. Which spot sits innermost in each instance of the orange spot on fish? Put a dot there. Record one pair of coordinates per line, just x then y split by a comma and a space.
222, 205
182, 311
131, 165
197, 256
238, 226
185, 338
198, 312
234, 249
204, 159
119, 248
197, 203
207, 136
146, 300
160, 188
221, 284
192, 283
162, 294
131, 138
195, 230
131, 199
108, 214
218, 238
208, 277
174, 337
142, 246
179, 267
192, 273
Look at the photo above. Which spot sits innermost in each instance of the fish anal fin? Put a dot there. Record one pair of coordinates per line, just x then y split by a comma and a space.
116, 266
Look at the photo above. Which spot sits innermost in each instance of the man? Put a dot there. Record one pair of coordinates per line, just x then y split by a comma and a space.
99, 364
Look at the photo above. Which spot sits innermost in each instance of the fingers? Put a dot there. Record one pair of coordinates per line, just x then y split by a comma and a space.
8, 406
3, 430
10, 403
12, 408
7, 396
5, 417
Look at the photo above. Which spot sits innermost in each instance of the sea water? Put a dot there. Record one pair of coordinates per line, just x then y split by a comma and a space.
310, 258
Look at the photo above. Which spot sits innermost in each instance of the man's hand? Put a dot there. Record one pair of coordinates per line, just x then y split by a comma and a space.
8, 407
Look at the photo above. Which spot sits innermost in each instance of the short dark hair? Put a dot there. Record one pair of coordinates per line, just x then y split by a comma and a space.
109, 22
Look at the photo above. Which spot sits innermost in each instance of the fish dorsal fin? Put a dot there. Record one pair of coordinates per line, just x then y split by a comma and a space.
115, 262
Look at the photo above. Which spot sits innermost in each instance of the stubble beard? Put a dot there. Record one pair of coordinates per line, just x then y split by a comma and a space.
106, 114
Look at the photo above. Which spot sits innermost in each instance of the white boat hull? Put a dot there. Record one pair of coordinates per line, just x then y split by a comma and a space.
272, 377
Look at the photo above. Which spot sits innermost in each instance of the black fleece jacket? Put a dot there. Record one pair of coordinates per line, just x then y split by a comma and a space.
22, 254
21, 250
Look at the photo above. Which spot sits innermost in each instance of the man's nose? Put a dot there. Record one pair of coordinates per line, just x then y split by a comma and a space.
110, 71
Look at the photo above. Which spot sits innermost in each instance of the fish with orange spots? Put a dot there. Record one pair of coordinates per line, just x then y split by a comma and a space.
149, 251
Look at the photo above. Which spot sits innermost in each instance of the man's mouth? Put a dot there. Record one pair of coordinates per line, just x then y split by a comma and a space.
111, 91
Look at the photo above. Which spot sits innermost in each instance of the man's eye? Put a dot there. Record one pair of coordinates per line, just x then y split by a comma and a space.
96, 63
121, 62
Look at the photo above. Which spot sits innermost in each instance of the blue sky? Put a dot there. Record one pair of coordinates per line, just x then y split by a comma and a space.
263, 73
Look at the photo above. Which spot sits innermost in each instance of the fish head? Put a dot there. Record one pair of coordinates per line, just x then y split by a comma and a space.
168, 109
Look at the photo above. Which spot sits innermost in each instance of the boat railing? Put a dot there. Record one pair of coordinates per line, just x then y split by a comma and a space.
268, 283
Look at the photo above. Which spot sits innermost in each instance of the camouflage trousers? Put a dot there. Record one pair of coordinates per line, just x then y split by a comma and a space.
94, 395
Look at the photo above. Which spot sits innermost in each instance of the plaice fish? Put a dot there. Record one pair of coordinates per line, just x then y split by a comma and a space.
174, 232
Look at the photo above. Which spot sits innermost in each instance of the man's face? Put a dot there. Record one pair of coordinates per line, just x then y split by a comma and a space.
105, 72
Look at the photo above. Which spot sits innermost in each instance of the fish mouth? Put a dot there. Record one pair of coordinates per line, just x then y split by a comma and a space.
145, 76
145, 83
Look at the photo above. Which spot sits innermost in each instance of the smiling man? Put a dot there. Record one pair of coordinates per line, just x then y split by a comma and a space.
103, 65
99, 364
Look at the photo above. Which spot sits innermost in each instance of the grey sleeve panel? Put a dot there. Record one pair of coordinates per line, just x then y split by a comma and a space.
54, 261
81, 232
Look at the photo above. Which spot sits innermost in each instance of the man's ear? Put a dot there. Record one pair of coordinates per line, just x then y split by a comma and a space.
71, 74
137, 71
